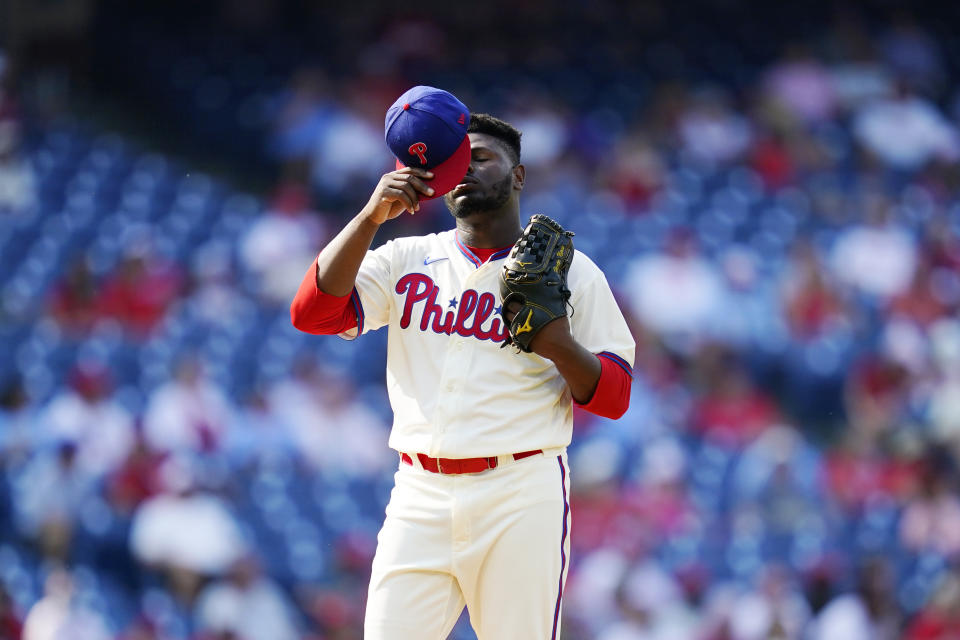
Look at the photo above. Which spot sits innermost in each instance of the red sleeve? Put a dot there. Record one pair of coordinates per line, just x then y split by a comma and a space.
314, 311
612, 395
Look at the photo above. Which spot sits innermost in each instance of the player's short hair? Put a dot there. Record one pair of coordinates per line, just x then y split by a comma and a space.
505, 132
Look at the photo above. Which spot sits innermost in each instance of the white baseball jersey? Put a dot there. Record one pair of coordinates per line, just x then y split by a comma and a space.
455, 393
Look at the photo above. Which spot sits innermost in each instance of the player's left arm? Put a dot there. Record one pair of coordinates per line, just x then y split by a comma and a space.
593, 349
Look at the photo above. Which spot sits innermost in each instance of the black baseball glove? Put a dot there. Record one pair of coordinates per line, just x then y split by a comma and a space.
535, 276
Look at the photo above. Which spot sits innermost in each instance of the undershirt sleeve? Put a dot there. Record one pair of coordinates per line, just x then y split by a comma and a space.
612, 395
313, 311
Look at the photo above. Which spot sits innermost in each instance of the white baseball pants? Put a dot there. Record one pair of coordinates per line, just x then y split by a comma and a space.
497, 542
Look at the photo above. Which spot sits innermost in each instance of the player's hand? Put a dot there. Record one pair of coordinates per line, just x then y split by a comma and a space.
398, 191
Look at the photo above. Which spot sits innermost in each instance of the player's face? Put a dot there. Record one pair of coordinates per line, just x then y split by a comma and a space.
489, 182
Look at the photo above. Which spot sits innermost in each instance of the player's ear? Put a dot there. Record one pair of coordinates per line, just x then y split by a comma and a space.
519, 175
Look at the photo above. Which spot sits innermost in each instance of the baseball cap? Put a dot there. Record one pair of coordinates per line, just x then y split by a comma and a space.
427, 128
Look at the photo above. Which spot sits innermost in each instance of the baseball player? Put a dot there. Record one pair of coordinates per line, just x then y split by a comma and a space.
479, 515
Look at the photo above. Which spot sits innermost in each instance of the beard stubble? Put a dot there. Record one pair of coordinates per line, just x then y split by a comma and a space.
500, 194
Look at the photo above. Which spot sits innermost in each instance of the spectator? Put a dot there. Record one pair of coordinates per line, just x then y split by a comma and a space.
216, 299
246, 604
260, 433
75, 301
335, 432
637, 172
820, 583
733, 411
280, 242
597, 502
675, 293
772, 159
300, 401
919, 303
877, 393
812, 306
18, 184
189, 413
801, 85
877, 258
711, 132
859, 471
591, 591
187, 534
931, 519
140, 290
18, 440
50, 495
779, 462
136, 479
776, 609
906, 131
659, 505
869, 613
336, 611
651, 605
19, 436
59, 614
87, 415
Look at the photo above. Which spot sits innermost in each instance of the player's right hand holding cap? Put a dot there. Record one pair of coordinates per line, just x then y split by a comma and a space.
427, 128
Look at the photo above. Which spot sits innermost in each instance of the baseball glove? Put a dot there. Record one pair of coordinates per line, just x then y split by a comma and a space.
535, 275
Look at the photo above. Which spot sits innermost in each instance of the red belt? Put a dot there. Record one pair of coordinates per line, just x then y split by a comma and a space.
454, 466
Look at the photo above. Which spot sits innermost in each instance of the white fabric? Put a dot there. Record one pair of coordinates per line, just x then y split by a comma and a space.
461, 395
258, 612
675, 294
714, 135
177, 411
48, 491
347, 439
275, 248
845, 618
497, 542
906, 133
880, 260
194, 532
55, 619
18, 186
102, 430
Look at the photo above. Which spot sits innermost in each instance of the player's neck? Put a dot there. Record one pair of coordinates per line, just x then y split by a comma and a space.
489, 230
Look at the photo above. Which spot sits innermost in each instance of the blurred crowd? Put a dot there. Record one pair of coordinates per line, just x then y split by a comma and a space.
178, 463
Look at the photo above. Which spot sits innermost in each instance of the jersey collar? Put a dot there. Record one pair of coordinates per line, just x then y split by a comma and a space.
472, 257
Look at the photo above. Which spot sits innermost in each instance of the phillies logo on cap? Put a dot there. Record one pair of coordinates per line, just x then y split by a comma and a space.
426, 118
419, 149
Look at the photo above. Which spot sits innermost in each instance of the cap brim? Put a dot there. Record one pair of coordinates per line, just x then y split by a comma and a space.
448, 174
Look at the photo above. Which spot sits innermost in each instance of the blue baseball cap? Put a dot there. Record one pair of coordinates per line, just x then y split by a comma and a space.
427, 128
